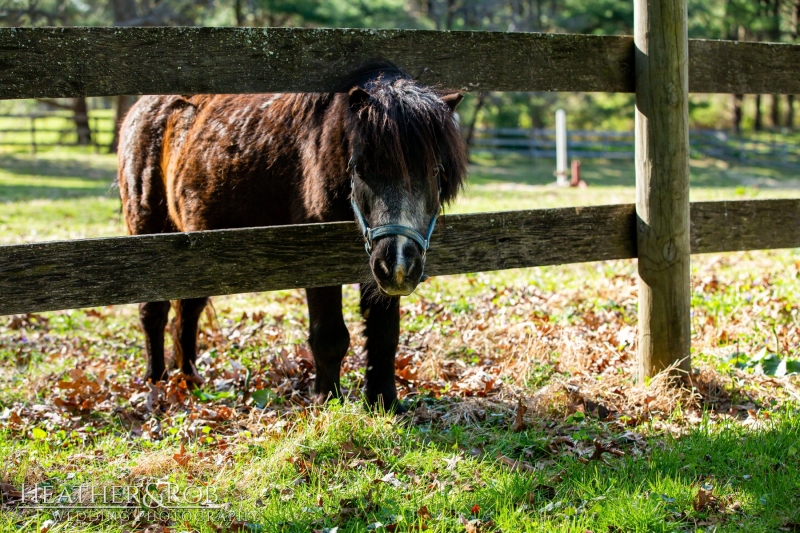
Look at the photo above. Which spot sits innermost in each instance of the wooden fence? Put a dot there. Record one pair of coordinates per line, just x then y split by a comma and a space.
69, 62
28, 131
767, 150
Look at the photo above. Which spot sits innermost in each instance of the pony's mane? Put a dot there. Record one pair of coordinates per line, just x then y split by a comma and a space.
406, 128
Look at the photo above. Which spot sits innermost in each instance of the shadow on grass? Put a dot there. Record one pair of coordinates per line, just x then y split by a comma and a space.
721, 474
25, 178
751, 474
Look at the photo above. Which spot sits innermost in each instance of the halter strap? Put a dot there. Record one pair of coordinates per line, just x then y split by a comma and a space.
373, 234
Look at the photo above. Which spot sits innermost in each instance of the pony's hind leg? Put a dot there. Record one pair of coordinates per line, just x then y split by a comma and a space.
329, 339
382, 320
153, 319
187, 314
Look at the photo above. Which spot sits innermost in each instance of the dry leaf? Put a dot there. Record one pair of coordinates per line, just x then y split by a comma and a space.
516, 464
182, 458
519, 423
704, 499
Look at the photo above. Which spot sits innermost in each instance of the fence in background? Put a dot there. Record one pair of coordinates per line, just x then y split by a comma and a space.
44, 130
771, 150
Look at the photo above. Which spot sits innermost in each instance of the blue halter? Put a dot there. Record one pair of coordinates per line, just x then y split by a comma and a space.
373, 234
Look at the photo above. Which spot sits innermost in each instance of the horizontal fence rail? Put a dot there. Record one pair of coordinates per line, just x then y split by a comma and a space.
27, 130
69, 62
93, 272
757, 150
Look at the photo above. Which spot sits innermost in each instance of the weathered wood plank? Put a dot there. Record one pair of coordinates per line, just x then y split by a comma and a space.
662, 185
64, 62
743, 67
745, 225
93, 272
84, 273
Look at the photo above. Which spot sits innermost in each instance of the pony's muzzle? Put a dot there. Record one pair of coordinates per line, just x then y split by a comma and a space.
397, 264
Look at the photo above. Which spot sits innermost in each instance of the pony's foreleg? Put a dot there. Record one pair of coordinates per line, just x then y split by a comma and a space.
382, 319
329, 339
187, 317
153, 319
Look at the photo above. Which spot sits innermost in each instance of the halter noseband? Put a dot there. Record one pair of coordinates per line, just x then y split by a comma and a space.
373, 234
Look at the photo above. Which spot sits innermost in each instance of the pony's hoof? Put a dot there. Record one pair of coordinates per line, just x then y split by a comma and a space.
395, 406
322, 398
148, 377
398, 408
193, 381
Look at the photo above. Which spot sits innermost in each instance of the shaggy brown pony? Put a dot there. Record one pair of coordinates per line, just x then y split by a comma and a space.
189, 163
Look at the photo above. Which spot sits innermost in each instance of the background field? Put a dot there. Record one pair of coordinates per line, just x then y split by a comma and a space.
524, 414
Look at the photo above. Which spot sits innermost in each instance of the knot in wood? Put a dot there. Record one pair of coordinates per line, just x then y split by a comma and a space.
189, 241
673, 94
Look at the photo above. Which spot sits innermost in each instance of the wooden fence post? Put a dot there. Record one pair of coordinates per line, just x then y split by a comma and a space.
662, 184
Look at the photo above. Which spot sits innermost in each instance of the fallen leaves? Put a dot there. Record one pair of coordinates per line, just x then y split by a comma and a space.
519, 421
81, 392
182, 458
476, 525
599, 450
9, 494
704, 500
423, 513
516, 464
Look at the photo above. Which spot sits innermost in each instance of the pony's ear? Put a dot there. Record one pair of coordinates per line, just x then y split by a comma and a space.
358, 97
452, 100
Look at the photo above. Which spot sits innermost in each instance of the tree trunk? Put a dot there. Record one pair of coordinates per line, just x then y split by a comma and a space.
737, 112
81, 118
124, 103
123, 10
795, 36
758, 125
775, 115
432, 13
449, 14
471, 130
237, 12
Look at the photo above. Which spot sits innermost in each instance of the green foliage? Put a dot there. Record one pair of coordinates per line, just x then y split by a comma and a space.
771, 20
764, 362
331, 13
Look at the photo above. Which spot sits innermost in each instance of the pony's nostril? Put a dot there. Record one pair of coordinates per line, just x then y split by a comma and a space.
415, 268
382, 270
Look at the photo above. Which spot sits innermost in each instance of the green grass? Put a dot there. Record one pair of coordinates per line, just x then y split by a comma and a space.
327, 471
511, 182
450, 466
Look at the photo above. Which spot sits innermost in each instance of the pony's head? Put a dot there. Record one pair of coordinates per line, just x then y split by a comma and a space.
407, 159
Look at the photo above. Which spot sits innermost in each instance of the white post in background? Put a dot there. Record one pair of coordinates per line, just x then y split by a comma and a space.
562, 173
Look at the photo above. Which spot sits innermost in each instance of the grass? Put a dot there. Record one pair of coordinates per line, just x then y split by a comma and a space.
525, 416
342, 467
